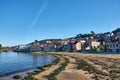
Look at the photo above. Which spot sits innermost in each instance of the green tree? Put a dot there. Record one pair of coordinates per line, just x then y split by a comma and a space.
102, 48
0, 46
36, 41
79, 35
116, 31
93, 48
92, 33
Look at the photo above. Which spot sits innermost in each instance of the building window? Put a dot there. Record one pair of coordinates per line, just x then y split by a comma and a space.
107, 45
117, 45
113, 45
117, 50
110, 45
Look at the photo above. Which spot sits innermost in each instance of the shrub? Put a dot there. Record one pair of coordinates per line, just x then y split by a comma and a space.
82, 64
17, 77
58, 70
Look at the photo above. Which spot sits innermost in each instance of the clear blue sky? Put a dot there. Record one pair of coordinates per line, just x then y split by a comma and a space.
23, 21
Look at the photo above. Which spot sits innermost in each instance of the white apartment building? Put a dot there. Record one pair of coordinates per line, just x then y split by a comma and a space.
92, 44
113, 47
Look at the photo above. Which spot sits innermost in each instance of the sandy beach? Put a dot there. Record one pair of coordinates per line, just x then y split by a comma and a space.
88, 67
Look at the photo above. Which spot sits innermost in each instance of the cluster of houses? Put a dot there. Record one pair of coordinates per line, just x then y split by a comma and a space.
108, 42
113, 42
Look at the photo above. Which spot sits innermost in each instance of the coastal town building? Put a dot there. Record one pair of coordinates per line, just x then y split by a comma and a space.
106, 42
78, 46
49, 48
118, 35
107, 36
64, 41
36, 43
72, 40
36, 48
67, 48
91, 44
95, 44
113, 47
22, 48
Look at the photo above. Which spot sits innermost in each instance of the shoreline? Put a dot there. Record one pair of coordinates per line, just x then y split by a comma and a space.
10, 76
100, 66
22, 73
95, 61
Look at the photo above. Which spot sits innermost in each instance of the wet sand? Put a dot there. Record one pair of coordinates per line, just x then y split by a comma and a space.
10, 77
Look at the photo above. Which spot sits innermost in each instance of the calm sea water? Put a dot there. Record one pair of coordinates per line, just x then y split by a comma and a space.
12, 62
